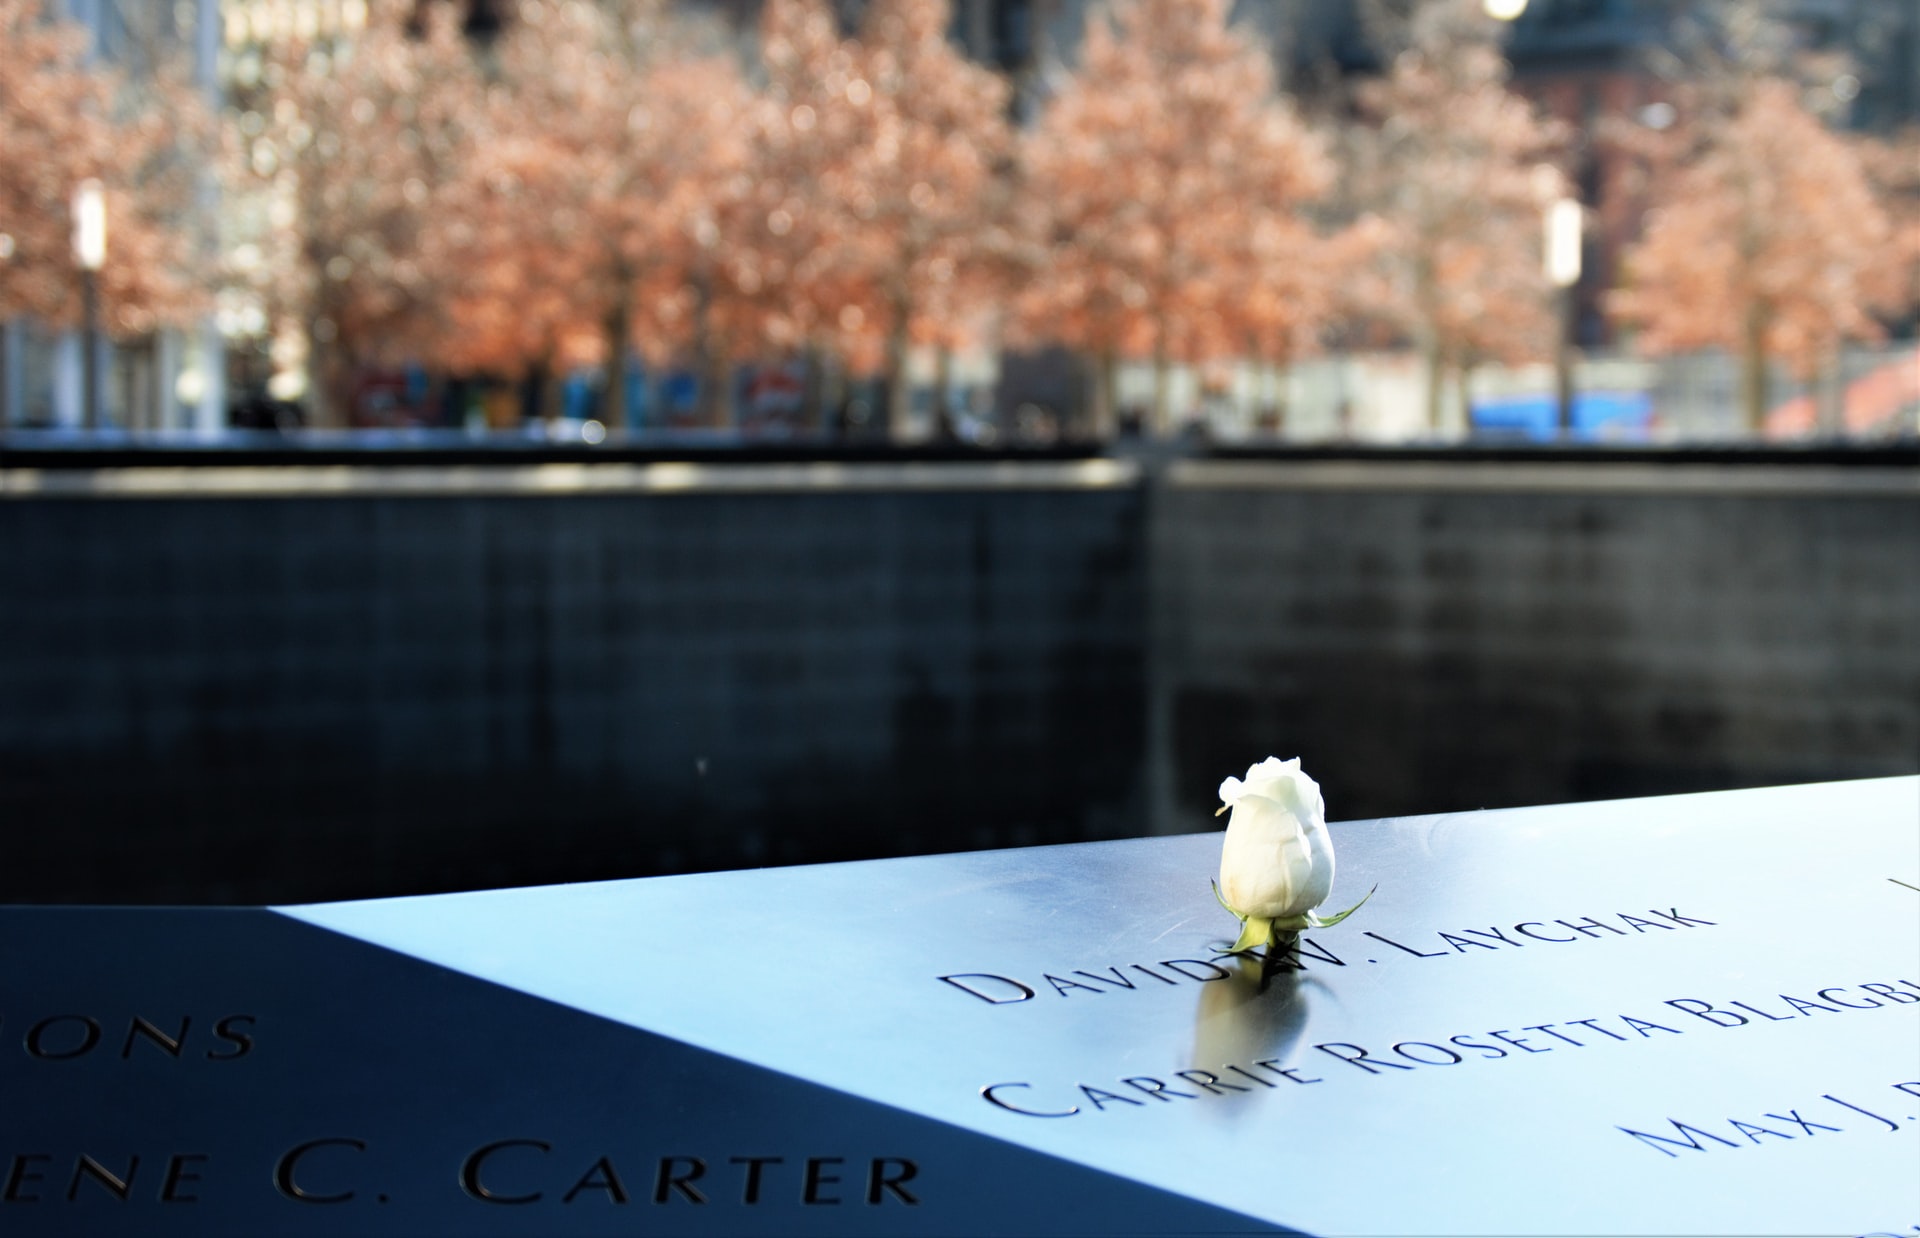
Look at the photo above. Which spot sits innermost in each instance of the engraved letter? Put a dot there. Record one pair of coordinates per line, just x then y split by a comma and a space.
816, 1179
1822, 995
285, 1183
37, 1035
1579, 927
599, 1177
1890, 993
1485, 1050
227, 1029
1419, 954
668, 1181
1641, 1026
1210, 1082
1705, 1010
1653, 1141
957, 977
470, 1172
1061, 986
1219, 973
988, 1093
1793, 1116
1154, 1088
178, 1175
1359, 1057
20, 1176
1753, 1132
169, 1045
87, 1167
751, 1195
1891, 1124
878, 1181
1674, 915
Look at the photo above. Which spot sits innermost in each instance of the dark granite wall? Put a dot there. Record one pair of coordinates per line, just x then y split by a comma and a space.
285, 699
1487, 642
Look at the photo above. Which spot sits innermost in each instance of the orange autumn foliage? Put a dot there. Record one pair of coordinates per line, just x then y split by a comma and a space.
588, 205
1166, 182
1892, 167
1770, 244
336, 167
64, 121
1455, 171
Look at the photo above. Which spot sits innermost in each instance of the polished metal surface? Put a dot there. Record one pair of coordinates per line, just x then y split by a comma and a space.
1686, 1015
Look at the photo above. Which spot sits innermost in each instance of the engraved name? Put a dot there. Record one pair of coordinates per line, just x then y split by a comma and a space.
1762, 1128
997, 989
1400, 1057
69, 1037
506, 1172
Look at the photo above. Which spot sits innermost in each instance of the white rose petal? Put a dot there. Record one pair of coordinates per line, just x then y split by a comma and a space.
1277, 860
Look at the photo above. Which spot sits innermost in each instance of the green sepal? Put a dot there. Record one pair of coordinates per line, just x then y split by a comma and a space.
1221, 899
1316, 922
1254, 931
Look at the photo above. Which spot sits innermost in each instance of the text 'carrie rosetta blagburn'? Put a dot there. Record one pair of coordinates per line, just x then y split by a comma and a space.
1321, 1063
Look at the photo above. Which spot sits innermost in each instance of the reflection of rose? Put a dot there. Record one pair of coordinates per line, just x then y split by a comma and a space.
1242, 1019
1277, 861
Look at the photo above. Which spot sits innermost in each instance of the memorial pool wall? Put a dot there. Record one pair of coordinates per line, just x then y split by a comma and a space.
256, 682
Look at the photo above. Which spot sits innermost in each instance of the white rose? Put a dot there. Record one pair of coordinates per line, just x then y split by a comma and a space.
1277, 861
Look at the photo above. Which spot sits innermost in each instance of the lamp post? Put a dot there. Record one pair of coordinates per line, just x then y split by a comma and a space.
1562, 265
90, 254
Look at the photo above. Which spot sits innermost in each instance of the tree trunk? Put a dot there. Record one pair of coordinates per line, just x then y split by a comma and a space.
898, 383
945, 424
533, 391
716, 402
813, 388
1103, 409
1753, 370
943, 381
1277, 393
1832, 405
1433, 362
835, 397
1463, 385
326, 398
619, 329
1162, 389
549, 395
709, 358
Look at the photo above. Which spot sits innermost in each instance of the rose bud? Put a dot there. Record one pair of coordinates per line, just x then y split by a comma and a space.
1276, 864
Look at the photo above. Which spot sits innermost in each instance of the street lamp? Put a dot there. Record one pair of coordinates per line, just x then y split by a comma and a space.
1562, 265
90, 254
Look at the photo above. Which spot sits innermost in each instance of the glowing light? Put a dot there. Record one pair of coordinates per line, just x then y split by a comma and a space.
90, 225
593, 432
1504, 10
190, 387
1563, 243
